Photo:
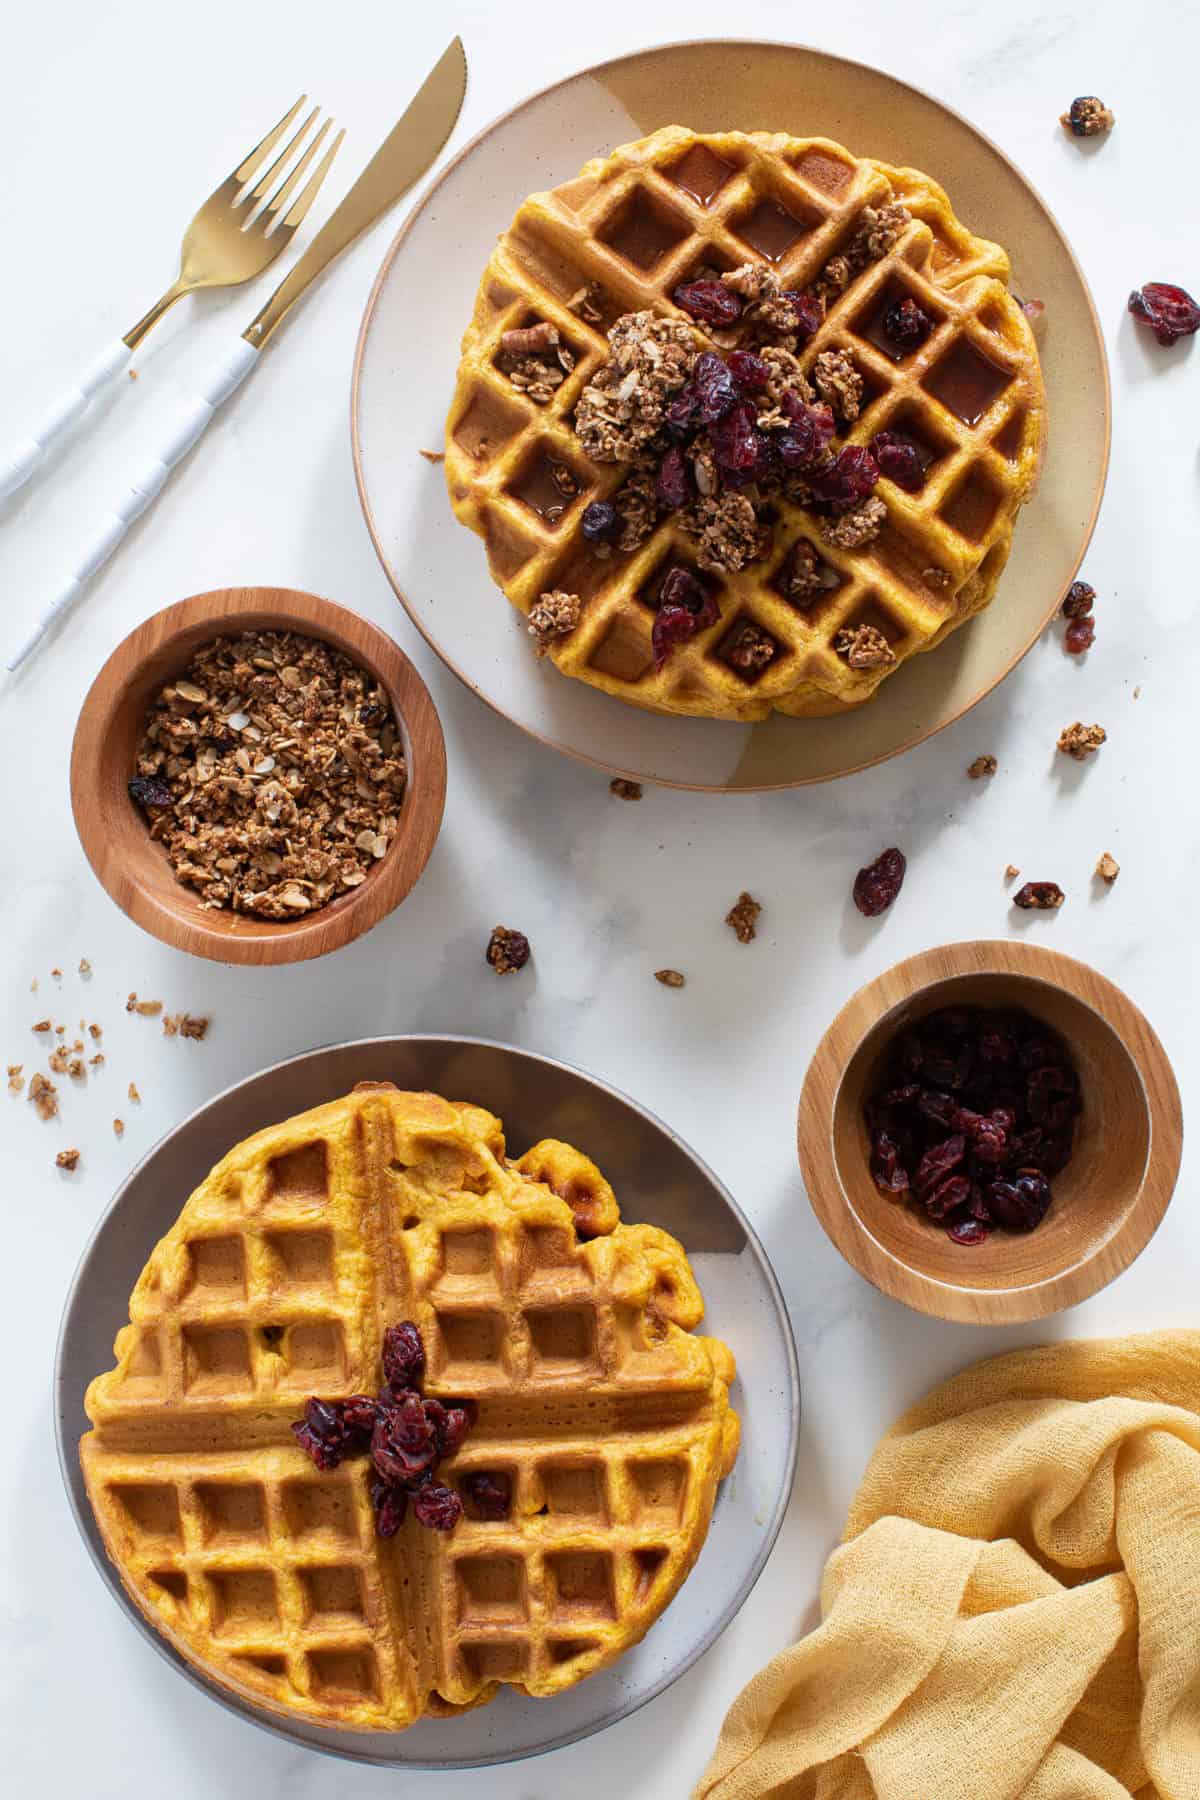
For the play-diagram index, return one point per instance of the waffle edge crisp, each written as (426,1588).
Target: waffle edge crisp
(629,228)
(574,1332)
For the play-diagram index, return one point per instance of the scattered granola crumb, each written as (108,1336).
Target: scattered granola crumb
(864,647)
(1108,868)
(433,456)
(85,967)
(16,1081)
(742,917)
(982,766)
(170,1024)
(1039,896)
(507,951)
(44,1095)
(148,1009)
(133,374)
(58,1060)
(1087,117)
(1011,873)
(97,1061)
(119,1127)
(133,1093)
(193,1026)
(1137,692)
(583,302)
(33,985)
(670,978)
(59,1029)
(67,1159)
(1081,741)
(554,615)
(76,1069)
(838,384)
(726,531)
(97,1031)
(751,649)
(936,577)
(625,790)
(42,1025)
(57,974)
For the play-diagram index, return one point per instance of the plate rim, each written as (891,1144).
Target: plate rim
(67,1451)
(614,768)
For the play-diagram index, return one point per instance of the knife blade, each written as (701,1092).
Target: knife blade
(401,159)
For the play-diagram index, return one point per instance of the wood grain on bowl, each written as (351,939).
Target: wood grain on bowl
(1108,1200)
(112,829)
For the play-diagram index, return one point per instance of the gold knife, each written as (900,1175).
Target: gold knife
(401,159)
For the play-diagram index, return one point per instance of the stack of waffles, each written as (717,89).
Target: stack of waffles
(620,239)
(598,1405)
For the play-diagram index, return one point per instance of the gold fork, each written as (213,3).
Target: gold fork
(236,234)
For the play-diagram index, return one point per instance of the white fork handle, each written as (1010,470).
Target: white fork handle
(181,433)
(23,458)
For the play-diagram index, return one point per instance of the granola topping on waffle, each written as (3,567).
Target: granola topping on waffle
(723,333)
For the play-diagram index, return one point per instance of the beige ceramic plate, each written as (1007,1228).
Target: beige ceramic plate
(421,303)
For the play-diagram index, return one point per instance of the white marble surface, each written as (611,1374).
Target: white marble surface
(114,120)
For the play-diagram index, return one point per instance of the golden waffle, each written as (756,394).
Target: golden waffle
(629,229)
(609,1416)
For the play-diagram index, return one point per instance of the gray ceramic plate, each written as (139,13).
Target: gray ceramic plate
(408,351)
(657,1179)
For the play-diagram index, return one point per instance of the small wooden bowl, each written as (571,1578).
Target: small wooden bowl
(112,829)
(1109,1199)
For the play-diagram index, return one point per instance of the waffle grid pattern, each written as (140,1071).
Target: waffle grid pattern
(606,1415)
(502,449)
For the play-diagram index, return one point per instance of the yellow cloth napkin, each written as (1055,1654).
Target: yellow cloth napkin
(1014,1611)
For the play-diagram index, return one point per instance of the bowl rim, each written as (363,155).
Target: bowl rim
(907,980)
(337,1743)
(598,70)
(256,941)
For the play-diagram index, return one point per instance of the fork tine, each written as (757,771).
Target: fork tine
(278,201)
(257,156)
(306,199)
(262,187)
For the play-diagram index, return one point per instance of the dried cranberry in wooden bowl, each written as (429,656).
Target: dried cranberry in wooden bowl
(1107,1199)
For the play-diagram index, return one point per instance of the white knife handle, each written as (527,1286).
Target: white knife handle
(19,464)
(181,433)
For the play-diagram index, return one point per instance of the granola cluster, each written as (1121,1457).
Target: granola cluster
(726,530)
(621,410)
(864,647)
(1081,741)
(554,615)
(272,774)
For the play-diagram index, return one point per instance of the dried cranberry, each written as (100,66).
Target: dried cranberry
(1079,636)
(968,1230)
(807,312)
(849,481)
(403,1356)
(404,1443)
(939,1161)
(601,522)
(149,790)
(1081,597)
(949,1064)
(1041,896)
(671,489)
(750,372)
(899,459)
(735,438)
(948,1196)
(991,1142)
(1170,312)
(715,392)
(681,588)
(391,1504)
(811,429)
(450,1426)
(941,1108)
(711,302)
(488,1496)
(333,1429)
(906,325)
(436,1506)
(904,1095)
(891,1177)
(1020,1204)
(684,608)
(876,886)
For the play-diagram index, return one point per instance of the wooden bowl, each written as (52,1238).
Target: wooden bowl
(1108,1200)
(134,869)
